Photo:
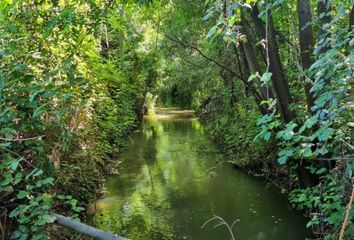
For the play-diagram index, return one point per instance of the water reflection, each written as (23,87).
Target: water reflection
(170,183)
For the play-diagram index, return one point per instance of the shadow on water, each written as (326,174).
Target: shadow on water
(171,182)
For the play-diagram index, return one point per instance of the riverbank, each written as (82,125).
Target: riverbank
(235,133)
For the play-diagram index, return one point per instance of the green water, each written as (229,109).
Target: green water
(171,181)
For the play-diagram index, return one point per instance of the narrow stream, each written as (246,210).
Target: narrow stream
(172,181)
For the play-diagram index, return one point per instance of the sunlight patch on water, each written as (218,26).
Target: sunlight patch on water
(170,114)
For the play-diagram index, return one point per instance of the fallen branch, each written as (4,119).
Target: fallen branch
(21,139)
(85,229)
(346,219)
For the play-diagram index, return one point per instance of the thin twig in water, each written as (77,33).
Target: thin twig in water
(221,221)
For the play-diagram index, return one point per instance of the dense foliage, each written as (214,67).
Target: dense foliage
(67,102)
(270,80)
(275,93)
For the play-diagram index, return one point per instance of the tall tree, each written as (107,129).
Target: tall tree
(324,18)
(306,43)
(251,58)
(351,19)
(280,84)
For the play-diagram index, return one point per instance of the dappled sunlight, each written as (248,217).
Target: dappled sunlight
(175,114)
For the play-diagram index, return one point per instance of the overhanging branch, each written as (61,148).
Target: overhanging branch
(185,45)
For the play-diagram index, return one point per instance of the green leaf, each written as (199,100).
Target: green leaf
(35,172)
(18,177)
(9,189)
(67,96)
(311,121)
(334,218)
(61,112)
(349,170)
(282,160)
(266,136)
(15,164)
(211,32)
(35,94)
(288,135)
(325,134)
(253,77)
(5,145)
(308,152)
(22,194)
(47,219)
(7,180)
(321,171)
(48,180)
(61,197)
(284,155)
(209,15)
(2,53)
(266,77)
(16,234)
(39,111)
(14,213)
(48,94)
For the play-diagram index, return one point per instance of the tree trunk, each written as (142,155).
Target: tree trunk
(280,84)
(351,19)
(306,179)
(258,98)
(306,43)
(241,63)
(227,76)
(323,10)
(252,60)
